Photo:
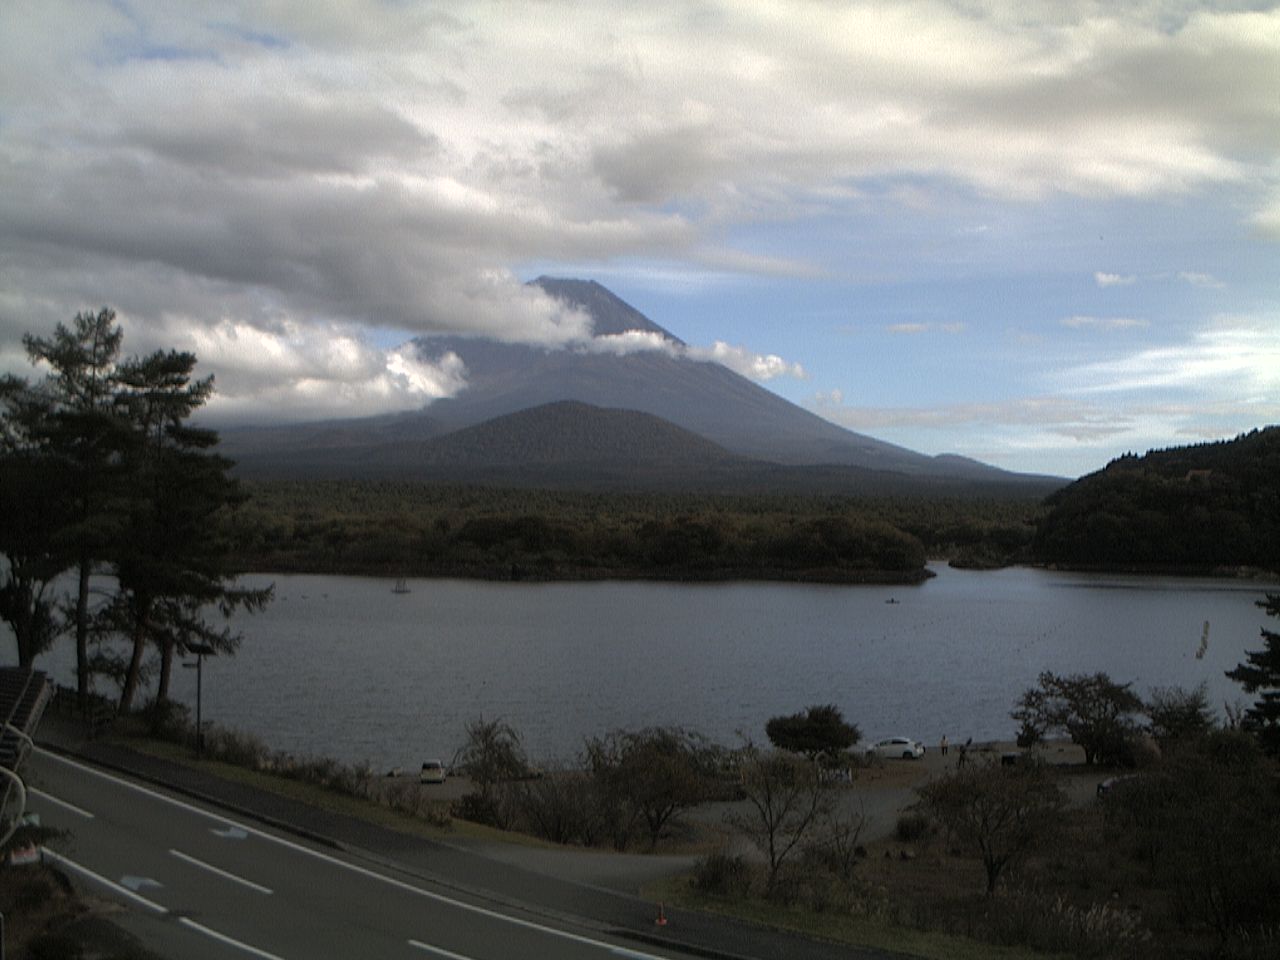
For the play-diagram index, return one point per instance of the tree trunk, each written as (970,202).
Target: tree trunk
(82,633)
(131,677)
(166,668)
(24,626)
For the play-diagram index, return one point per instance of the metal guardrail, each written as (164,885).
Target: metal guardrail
(24,694)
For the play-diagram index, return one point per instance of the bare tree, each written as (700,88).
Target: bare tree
(493,753)
(786,803)
(651,775)
(999,811)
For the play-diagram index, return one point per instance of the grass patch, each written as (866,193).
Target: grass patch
(314,795)
(853,931)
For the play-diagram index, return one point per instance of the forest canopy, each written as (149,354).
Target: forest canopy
(1202,508)
(410,529)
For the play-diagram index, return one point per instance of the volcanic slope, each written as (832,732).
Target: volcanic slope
(745,432)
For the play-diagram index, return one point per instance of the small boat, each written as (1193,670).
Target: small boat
(400,587)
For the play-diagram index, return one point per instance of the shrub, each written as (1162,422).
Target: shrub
(408,798)
(353,781)
(1053,925)
(34,893)
(912,827)
(55,946)
(486,809)
(837,850)
(236,747)
(168,720)
(562,807)
(723,875)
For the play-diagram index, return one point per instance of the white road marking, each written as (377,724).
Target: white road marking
(137,883)
(50,798)
(230,833)
(438,951)
(151,905)
(223,938)
(362,871)
(219,872)
(125,892)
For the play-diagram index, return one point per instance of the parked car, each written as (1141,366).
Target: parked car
(432,772)
(897,748)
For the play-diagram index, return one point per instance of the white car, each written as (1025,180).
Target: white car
(432,772)
(897,748)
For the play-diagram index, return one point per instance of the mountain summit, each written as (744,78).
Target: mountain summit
(701,396)
(739,427)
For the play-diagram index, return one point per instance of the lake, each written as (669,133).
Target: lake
(344,667)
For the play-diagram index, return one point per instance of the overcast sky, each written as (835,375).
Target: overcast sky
(1037,234)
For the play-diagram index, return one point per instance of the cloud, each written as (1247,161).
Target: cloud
(1221,380)
(297,371)
(1056,434)
(756,366)
(1231,358)
(397,165)
(1103,323)
(1266,221)
(912,329)
(1200,280)
(1114,279)
(632,341)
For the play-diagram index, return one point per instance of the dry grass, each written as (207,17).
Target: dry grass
(322,798)
(872,929)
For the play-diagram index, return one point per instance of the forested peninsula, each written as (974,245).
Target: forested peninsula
(390,528)
(1206,509)
(1212,508)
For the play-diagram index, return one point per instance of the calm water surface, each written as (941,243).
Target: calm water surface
(344,667)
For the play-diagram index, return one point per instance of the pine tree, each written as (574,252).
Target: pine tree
(173,562)
(1262,674)
(32,514)
(84,435)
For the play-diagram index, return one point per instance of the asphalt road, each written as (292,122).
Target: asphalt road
(199,885)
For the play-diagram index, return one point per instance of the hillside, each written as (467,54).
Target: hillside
(569,432)
(1196,508)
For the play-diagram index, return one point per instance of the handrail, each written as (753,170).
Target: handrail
(22,803)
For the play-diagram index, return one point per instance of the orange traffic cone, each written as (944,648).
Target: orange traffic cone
(662,917)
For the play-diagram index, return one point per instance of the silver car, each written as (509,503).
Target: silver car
(897,748)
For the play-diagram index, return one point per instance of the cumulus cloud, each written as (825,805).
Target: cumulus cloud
(398,165)
(632,341)
(297,371)
(756,366)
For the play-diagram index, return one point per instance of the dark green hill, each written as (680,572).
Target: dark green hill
(1200,508)
(574,433)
